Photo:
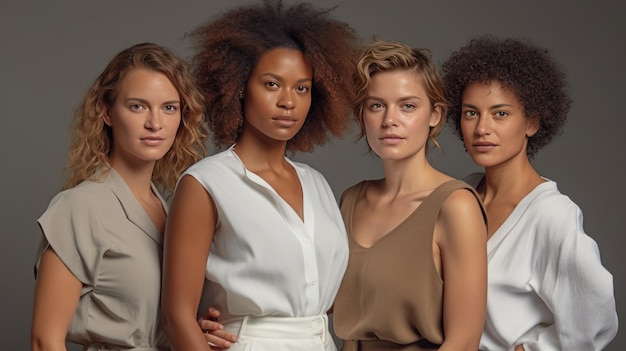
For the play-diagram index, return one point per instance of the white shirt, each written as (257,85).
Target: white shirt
(547,288)
(264,259)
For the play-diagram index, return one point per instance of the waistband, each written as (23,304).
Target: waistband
(383,345)
(278,327)
(105,347)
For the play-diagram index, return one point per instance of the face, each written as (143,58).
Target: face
(495,128)
(144,117)
(278,95)
(398,114)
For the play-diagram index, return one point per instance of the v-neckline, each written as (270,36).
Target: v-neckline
(394,229)
(259,180)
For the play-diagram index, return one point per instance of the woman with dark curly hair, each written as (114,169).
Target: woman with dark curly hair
(265,231)
(417,273)
(98,270)
(547,288)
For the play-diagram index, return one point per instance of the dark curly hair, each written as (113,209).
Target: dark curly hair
(229,47)
(536,79)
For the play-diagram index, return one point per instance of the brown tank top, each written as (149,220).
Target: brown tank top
(391,292)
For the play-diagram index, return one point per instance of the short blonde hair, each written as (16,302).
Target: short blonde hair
(385,56)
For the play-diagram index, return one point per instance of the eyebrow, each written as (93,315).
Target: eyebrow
(144,101)
(490,107)
(277,77)
(402,99)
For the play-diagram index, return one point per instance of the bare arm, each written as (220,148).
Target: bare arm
(461,235)
(188,235)
(57,292)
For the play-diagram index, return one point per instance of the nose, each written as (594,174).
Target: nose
(286,100)
(389,118)
(154,120)
(483,127)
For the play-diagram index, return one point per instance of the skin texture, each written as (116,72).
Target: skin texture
(536,78)
(229,46)
(512,95)
(397,115)
(279,86)
(495,132)
(146,106)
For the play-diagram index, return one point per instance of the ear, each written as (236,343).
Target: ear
(435,115)
(107,119)
(533,126)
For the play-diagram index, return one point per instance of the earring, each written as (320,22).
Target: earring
(241,94)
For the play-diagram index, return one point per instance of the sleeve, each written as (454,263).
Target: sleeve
(71,227)
(577,289)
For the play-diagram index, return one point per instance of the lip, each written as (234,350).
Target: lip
(285,121)
(152,140)
(391,139)
(483,146)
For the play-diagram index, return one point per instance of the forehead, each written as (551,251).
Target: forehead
(405,80)
(145,82)
(283,61)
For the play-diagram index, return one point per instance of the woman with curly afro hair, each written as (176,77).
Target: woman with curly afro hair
(265,231)
(547,287)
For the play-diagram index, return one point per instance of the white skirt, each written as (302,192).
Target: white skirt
(280,333)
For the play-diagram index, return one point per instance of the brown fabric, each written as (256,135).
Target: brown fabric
(392,291)
(380,345)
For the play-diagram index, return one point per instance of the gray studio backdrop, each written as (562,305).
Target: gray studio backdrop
(52,50)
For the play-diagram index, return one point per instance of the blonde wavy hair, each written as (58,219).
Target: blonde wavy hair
(385,56)
(91,138)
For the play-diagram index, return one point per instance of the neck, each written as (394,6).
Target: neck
(409,176)
(512,179)
(260,155)
(137,177)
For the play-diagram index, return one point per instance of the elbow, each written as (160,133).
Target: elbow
(167,323)
(464,344)
(41,343)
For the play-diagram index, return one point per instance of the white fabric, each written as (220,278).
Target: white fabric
(547,288)
(264,260)
(280,333)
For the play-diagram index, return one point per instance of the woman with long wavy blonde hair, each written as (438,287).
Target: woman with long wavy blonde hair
(98,269)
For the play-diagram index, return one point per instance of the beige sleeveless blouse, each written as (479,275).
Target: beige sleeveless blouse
(391,297)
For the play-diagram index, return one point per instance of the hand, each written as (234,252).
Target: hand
(214,332)
(519,347)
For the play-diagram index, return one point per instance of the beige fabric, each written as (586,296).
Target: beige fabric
(104,237)
(392,291)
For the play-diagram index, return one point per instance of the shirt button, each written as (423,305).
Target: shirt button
(307,241)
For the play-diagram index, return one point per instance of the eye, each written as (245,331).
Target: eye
(501,114)
(170,109)
(375,106)
(408,107)
(271,85)
(470,113)
(302,89)
(136,107)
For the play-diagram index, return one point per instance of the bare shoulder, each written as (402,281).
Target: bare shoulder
(462,216)
(461,202)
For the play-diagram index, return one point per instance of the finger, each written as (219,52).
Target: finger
(223,334)
(209,325)
(213,312)
(214,340)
